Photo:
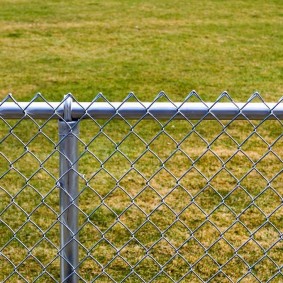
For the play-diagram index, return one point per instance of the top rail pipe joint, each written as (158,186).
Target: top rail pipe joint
(67,114)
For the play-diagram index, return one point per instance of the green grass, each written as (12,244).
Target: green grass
(114,47)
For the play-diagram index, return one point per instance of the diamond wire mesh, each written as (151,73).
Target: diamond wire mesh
(159,201)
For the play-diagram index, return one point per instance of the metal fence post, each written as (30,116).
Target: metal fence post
(68,146)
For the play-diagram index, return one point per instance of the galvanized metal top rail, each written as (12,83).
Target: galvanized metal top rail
(145,110)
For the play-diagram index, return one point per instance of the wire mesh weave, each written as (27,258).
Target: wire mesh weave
(159,201)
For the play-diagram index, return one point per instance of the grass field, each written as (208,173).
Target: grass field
(115,47)
(192,214)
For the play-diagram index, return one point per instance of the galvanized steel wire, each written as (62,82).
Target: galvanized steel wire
(164,198)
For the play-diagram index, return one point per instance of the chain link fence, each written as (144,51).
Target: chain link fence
(141,192)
